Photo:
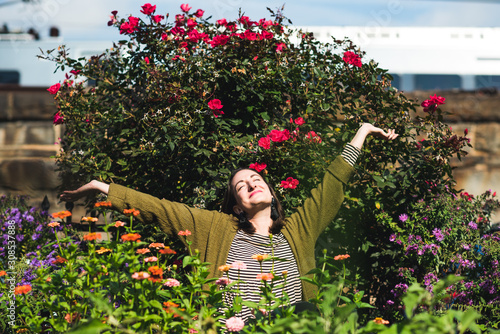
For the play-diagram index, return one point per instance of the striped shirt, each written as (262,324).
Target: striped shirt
(245,245)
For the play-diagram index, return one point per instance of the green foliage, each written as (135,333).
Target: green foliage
(142,114)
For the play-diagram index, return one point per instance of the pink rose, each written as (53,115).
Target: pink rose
(148,9)
(235,324)
(437,99)
(54,88)
(258,166)
(199,13)
(146,59)
(265,143)
(58,118)
(185,8)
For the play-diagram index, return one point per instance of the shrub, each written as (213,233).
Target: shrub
(174,106)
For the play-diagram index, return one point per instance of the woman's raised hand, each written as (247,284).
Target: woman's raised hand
(85,190)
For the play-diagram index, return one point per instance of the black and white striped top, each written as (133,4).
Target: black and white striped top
(245,245)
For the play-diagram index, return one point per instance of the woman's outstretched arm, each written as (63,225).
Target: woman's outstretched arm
(87,189)
(369,129)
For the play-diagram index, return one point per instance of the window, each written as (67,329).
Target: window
(10,77)
(437,81)
(487,81)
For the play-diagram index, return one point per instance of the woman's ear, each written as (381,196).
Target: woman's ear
(237,210)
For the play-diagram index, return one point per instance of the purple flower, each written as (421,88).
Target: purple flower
(19,237)
(473,225)
(35,236)
(392,237)
(390,302)
(39,228)
(437,234)
(403,217)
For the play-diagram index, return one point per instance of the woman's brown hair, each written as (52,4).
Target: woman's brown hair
(244,224)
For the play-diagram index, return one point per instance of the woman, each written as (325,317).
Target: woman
(222,238)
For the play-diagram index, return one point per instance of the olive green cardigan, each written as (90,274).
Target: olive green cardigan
(213,231)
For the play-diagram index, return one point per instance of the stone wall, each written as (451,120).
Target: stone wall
(28,137)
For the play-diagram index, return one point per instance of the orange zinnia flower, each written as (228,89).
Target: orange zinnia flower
(59,260)
(167,250)
(3,273)
(157,245)
(265,276)
(90,219)
(21,289)
(92,236)
(185,233)
(260,257)
(341,257)
(155,270)
(225,267)
(103,250)
(105,204)
(381,321)
(130,212)
(142,251)
(131,237)
(119,223)
(53,224)
(61,214)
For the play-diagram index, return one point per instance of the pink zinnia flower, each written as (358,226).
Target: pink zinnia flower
(172,282)
(238,265)
(223,281)
(151,259)
(235,324)
(140,275)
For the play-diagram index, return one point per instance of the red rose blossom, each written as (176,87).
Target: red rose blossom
(280,46)
(148,9)
(222,22)
(258,166)
(352,59)
(54,88)
(290,183)
(299,121)
(199,13)
(185,8)
(157,18)
(215,105)
(191,23)
(219,40)
(58,118)
(313,136)
(265,143)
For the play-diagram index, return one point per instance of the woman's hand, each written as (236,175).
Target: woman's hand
(85,190)
(369,129)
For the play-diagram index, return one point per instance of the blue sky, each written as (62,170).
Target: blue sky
(86,19)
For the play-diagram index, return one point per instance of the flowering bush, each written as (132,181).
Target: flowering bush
(448,236)
(177,104)
(111,281)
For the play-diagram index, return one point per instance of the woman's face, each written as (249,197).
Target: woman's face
(251,191)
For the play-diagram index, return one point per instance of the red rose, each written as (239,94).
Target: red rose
(54,88)
(258,166)
(266,35)
(221,22)
(219,40)
(313,137)
(58,118)
(177,31)
(280,46)
(250,35)
(75,72)
(437,99)
(279,136)
(191,23)
(148,9)
(157,18)
(199,13)
(146,59)
(217,112)
(299,121)
(245,20)
(134,21)
(352,59)
(185,8)
(290,183)
(265,143)
(215,104)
